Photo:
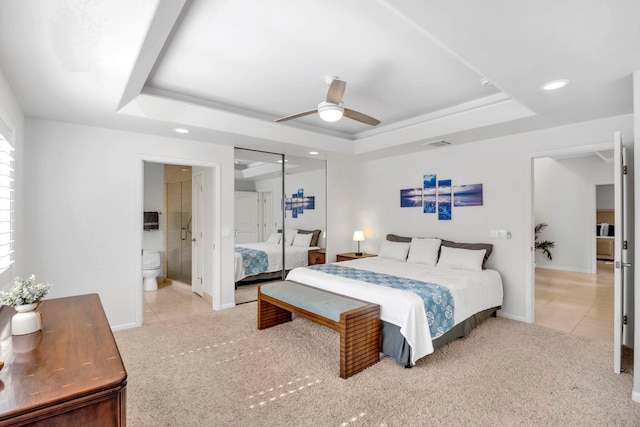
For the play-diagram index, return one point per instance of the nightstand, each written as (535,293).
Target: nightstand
(317,256)
(352,255)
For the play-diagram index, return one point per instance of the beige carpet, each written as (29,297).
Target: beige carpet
(217,369)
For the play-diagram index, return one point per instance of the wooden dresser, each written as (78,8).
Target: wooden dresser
(68,374)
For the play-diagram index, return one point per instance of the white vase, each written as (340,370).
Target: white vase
(26,321)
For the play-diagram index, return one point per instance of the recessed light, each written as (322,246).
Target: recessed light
(555,84)
(285,160)
(313,153)
(181,130)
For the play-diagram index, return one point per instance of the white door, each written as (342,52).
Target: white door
(197,234)
(246,205)
(266,221)
(620,255)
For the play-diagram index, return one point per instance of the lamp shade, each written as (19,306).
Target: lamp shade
(358,236)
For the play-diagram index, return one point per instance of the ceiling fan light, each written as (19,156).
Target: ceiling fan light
(330,112)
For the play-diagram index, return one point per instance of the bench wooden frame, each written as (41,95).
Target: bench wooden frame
(359,329)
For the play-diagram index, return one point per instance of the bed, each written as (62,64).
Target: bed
(263,260)
(430,291)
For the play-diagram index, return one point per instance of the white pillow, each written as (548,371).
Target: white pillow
(302,239)
(461,259)
(424,251)
(394,250)
(289,235)
(274,238)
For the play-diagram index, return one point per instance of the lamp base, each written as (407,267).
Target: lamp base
(358,253)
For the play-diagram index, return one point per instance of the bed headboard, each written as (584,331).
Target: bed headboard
(315,238)
(396,238)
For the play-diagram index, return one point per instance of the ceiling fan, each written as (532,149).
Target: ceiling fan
(333,109)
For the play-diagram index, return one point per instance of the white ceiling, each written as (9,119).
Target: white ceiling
(231,68)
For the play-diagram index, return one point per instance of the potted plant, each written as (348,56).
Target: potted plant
(543,245)
(24,296)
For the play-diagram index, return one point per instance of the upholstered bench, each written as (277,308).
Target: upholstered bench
(357,321)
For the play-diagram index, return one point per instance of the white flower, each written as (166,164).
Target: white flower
(24,291)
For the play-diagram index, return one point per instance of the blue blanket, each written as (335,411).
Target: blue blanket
(438,301)
(253,260)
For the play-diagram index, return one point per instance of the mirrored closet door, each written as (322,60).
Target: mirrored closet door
(258,216)
(280,223)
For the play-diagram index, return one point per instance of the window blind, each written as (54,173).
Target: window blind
(7,220)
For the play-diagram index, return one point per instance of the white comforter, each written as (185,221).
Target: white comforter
(295,256)
(472,292)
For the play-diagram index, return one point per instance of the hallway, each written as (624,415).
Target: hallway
(578,303)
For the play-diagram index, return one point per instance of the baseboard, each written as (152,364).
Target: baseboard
(500,313)
(124,326)
(635,395)
(224,307)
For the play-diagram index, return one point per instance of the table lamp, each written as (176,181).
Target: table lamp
(358,236)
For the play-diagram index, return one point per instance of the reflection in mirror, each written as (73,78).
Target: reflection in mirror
(261,244)
(258,217)
(305,211)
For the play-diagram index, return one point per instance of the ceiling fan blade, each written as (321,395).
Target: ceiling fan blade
(336,91)
(356,115)
(295,116)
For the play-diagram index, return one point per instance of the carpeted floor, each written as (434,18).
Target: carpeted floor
(218,369)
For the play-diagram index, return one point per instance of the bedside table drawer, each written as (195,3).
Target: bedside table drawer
(317,256)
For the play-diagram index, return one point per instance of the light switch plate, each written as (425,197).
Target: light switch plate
(499,234)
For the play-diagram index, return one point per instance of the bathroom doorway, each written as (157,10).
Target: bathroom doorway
(178,223)
(167,301)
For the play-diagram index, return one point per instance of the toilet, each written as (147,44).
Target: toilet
(151,269)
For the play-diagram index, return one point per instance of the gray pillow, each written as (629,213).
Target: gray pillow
(315,238)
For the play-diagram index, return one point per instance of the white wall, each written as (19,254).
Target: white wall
(604,196)
(502,165)
(341,208)
(153,201)
(245,186)
(565,199)
(83,211)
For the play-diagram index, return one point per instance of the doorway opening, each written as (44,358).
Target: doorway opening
(573,292)
(185,196)
(567,202)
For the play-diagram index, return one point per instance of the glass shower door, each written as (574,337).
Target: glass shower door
(178,234)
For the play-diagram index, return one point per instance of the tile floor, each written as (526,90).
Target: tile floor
(578,303)
(171,301)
